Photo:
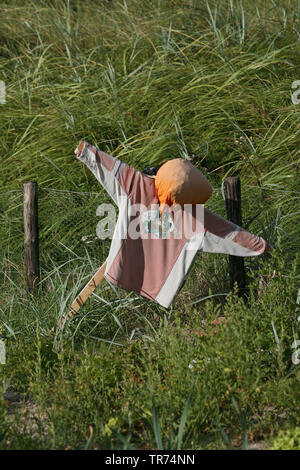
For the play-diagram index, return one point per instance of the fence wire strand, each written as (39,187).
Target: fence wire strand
(68,221)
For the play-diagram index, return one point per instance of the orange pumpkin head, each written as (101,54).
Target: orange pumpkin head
(180,182)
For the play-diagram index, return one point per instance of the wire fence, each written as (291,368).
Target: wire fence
(68,221)
(67,229)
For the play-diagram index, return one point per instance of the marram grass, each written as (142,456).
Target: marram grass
(146,82)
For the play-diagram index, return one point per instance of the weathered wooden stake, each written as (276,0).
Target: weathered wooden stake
(85,293)
(31,234)
(234,214)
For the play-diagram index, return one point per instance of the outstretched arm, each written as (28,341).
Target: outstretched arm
(222,236)
(105,168)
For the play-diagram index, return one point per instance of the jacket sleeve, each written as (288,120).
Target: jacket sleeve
(105,168)
(222,236)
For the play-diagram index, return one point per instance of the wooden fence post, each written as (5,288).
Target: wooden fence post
(31,234)
(234,214)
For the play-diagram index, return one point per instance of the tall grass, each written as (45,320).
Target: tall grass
(146,82)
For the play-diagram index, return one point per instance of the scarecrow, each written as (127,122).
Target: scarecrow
(154,259)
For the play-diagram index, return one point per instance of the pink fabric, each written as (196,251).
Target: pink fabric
(156,267)
(247,240)
(143,265)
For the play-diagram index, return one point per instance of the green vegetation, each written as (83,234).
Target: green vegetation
(287,440)
(145,82)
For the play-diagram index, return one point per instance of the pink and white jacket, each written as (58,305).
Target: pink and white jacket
(156,266)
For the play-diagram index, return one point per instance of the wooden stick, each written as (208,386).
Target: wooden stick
(31,234)
(234,214)
(86,292)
